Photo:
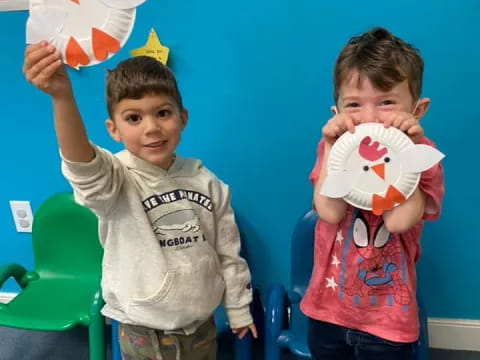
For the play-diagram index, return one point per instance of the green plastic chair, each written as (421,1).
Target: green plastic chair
(64,289)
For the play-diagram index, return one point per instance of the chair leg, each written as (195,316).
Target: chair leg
(96,338)
(422,344)
(422,351)
(243,348)
(274,322)
(115,344)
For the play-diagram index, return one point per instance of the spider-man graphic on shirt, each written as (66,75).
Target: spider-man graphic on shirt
(379,271)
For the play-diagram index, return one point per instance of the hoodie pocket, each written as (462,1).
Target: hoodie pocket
(188,293)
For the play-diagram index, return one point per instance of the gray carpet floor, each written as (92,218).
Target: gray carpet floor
(18,344)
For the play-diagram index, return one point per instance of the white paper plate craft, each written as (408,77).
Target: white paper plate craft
(123,4)
(86,32)
(376,168)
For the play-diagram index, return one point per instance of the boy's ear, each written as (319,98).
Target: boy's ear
(112,130)
(422,107)
(184,117)
(334,110)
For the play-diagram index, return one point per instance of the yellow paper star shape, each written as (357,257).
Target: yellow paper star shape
(153,48)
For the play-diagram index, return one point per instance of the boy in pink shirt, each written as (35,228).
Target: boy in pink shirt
(361,298)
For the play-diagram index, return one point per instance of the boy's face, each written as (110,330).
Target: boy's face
(365,103)
(149,127)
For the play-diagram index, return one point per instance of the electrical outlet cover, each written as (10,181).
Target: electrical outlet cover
(22,215)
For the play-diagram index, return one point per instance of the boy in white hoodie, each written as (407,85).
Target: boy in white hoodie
(171,244)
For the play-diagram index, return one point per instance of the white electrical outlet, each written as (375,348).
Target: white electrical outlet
(22,215)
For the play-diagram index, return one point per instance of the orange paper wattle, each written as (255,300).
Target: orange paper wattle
(103,44)
(381,204)
(75,55)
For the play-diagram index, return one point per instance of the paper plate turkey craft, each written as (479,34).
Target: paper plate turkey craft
(85,31)
(376,168)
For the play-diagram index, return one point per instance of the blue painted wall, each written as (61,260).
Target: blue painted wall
(256,77)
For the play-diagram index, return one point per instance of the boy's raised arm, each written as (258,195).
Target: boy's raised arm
(44,69)
(71,134)
(330,210)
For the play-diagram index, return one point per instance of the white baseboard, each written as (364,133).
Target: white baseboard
(454,334)
(5,297)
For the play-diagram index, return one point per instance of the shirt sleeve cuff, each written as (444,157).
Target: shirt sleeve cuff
(239,317)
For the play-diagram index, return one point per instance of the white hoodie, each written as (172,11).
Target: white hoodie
(171,244)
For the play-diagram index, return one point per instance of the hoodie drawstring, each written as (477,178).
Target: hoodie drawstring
(156,345)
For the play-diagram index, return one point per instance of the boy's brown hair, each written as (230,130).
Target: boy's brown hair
(136,77)
(383,58)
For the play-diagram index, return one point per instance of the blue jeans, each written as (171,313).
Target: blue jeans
(333,342)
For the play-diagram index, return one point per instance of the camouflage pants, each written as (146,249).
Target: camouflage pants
(141,343)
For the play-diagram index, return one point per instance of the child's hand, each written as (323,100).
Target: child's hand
(43,68)
(405,122)
(244,330)
(336,126)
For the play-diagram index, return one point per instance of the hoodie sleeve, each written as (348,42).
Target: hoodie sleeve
(95,184)
(238,292)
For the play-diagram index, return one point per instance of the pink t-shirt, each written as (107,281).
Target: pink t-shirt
(363,276)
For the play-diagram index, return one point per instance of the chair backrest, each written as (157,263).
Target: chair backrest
(302,252)
(65,239)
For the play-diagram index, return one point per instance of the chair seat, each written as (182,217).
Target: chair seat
(53,310)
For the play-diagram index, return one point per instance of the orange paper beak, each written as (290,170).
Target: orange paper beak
(379,170)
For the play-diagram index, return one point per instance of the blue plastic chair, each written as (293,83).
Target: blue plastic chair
(285,325)
(243,348)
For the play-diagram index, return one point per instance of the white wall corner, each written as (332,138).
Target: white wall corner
(454,334)
(13,5)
